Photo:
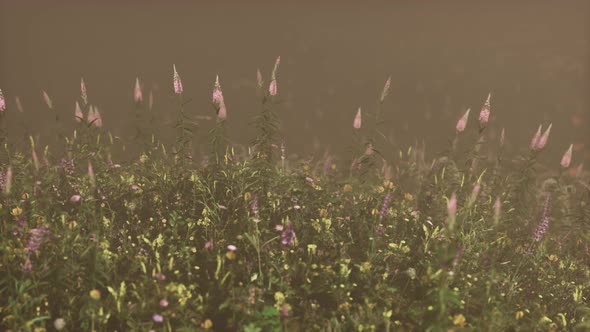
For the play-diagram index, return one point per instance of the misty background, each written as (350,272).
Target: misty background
(533,56)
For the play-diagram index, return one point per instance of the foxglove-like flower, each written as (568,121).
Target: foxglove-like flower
(567,157)
(177,81)
(78,115)
(19,105)
(36,239)
(137,94)
(462,123)
(276,67)
(544,138)
(385,205)
(385,91)
(544,225)
(259,81)
(272,88)
(536,137)
(288,235)
(83,91)
(47,100)
(2,102)
(217,93)
(484,114)
(356,124)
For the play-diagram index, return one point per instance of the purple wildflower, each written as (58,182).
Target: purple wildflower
(288,235)
(544,225)
(385,91)
(209,245)
(462,123)
(163,303)
(567,157)
(36,239)
(75,198)
(484,114)
(159,276)
(177,82)
(231,247)
(356,124)
(27,266)
(137,94)
(67,165)
(2,102)
(385,205)
(157,318)
(254,204)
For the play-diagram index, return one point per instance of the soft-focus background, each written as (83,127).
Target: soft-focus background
(533,56)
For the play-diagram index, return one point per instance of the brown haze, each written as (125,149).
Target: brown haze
(533,56)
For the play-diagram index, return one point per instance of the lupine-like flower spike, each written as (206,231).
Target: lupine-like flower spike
(484,114)
(272,88)
(544,138)
(497,210)
(462,123)
(137,94)
(276,67)
(47,100)
(2,102)
(78,115)
(357,120)
(385,91)
(177,82)
(385,205)
(217,93)
(544,225)
(222,114)
(259,81)
(19,105)
(567,157)
(536,138)
(83,93)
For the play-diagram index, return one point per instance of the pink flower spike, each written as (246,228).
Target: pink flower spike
(276,67)
(567,157)
(78,116)
(91,174)
(47,100)
(137,94)
(75,198)
(535,139)
(259,81)
(484,115)
(357,120)
(222,114)
(19,105)
(544,138)
(83,91)
(217,93)
(452,206)
(2,102)
(98,122)
(385,91)
(462,123)
(177,82)
(272,88)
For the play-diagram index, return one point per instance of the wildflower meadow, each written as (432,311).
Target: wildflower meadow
(242,236)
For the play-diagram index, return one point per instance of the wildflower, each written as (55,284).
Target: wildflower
(254,204)
(462,123)
(95,294)
(217,93)
(385,91)
(474,193)
(17,211)
(484,114)
(47,100)
(519,314)
(276,67)
(27,266)
(67,165)
(137,94)
(157,318)
(163,303)
(279,228)
(2,102)
(75,198)
(497,210)
(78,116)
(91,174)
(296,207)
(544,225)
(83,91)
(177,81)
(59,324)
(259,81)
(135,187)
(385,205)
(543,139)
(209,244)
(288,235)
(356,124)
(8,180)
(452,211)
(284,311)
(159,276)
(347,188)
(36,239)
(19,105)
(272,88)
(535,140)
(459,320)
(207,324)
(567,157)
(231,247)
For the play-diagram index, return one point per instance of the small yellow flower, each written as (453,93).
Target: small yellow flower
(207,324)
(519,314)
(553,258)
(95,294)
(25,196)
(323,213)
(16,211)
(459,320)
(388,185)
(347,188)
(230,255)
(247,196)
(374,212)
(408,197)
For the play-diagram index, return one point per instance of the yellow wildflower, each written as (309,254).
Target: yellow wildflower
(459,320)
(16,211)
(95,294)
